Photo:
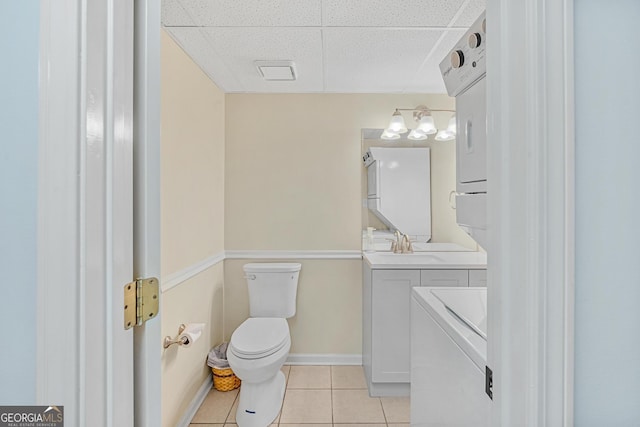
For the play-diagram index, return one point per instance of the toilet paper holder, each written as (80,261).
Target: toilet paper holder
(168,341)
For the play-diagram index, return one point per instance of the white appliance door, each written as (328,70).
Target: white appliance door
(471,216)
(471,139)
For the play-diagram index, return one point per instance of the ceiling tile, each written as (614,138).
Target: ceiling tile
(428,78)
(253,13)
(195,44)
(470,13)
(374,59)
(389,13)
(174,14)
(238,48)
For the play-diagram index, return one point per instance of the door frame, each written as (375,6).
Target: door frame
(62,371)
(146,192)
(530,128)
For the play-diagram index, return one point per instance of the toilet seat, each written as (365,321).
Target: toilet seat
(259,337)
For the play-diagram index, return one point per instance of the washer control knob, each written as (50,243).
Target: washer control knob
(475,40)
(457,59)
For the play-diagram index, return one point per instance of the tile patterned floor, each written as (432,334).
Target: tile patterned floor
(316,396)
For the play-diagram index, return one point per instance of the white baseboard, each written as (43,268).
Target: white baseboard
(324,359)
(188,415)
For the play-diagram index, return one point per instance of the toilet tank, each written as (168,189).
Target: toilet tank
(272,288)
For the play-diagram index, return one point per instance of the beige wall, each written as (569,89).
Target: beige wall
(328,316)
(294,182)
(293,177)
(192,220)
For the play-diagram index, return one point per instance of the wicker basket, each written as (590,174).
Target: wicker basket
(225,379)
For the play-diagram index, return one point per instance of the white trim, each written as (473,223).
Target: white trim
(324,359)
(294,254)
(530,211)
(179,277)
(146,199)
(197,400)
(185,274)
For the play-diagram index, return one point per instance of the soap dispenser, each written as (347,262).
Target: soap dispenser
(369,246)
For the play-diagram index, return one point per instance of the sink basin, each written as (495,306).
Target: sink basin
(390,257)
(422,247)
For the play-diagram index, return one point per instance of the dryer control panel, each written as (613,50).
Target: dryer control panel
(467,61)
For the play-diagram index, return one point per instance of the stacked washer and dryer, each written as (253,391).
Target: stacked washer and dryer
(449,384)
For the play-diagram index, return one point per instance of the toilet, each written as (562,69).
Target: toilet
(260,345)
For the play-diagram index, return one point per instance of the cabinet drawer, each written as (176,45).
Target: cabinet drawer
(477,278)
(444,278)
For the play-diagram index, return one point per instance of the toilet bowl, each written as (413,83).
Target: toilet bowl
(257,351)
(260,345)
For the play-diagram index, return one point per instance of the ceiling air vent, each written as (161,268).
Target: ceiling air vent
(276,70)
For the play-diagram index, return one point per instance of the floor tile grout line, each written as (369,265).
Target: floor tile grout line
(331,385)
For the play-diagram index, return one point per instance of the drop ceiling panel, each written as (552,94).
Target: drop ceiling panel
(174,14)
(389,13)
(238,48)
(337,45)
(374,59)
(428,76)
(470,13)
(253,13)
(195,43)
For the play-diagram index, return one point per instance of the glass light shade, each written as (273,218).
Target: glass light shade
(426,125)
(417,135)
(445,135)
(451,127)
(389,136)
(397,124)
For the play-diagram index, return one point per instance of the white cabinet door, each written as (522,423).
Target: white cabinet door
(391,341)
(477,278)
(471,163)
(444,278)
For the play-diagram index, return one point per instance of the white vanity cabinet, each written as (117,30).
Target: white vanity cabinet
(387,319)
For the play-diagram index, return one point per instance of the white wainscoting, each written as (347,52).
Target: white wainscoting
(301,254)
(185,274)
(173,280)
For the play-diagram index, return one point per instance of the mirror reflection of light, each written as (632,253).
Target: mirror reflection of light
(393,165)
(417,135)
(389,136)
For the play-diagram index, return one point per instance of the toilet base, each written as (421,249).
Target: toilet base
(260,402)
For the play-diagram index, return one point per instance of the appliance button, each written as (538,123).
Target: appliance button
(457,59)
(475,40)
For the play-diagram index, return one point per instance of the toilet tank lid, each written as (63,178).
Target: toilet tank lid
(272,267)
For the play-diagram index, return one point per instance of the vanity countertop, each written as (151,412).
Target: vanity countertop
(426,260)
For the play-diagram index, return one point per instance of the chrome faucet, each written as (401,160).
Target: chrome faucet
(397,248)
(407,247)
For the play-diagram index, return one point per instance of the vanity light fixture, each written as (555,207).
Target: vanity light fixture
(426,126)
(450,132)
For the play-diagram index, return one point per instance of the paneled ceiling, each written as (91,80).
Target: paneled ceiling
(337,46)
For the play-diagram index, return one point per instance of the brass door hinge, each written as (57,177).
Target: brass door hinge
(141,301)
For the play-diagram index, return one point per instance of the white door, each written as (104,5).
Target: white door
(108,211)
